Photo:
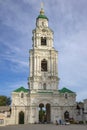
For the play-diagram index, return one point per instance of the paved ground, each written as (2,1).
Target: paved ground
(44,127)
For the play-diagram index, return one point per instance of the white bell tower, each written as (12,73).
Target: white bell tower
(43,57)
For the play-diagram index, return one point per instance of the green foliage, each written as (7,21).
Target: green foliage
(5,101)
(41,115)
(8,101)
(81,122)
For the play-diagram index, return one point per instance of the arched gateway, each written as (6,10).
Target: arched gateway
(66,116)
(44,113)
(21,117)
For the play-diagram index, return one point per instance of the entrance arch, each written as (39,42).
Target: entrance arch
(44,113)
(21,117)
(41,113)
(66,115)
(48,112)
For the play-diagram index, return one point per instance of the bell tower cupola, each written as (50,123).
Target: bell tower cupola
(42,19)
(42,34)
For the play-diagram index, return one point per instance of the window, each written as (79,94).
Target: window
(43,41)
(44,86)
(22,95)
(44,65)
(66,95)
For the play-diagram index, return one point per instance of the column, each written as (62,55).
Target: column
(34,65)
(30,66)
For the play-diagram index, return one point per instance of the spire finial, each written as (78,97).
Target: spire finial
(42,10)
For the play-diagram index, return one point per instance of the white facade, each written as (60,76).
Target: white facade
(43,51)
(43,80)
(43,102)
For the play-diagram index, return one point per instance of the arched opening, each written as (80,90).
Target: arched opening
(41,113)
(21,117)
(43,65)
(43,41)
(22,95)
(44,113)
(44,86)
(66,116)
(48,112)
(66,96)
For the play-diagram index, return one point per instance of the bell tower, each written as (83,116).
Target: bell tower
(43,57)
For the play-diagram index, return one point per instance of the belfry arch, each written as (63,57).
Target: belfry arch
(44,65)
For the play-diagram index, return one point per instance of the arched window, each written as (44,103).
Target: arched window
(66,116)
(43,65)
(22,95)
(43,41)
(66,96)
(44,86)
(21,117)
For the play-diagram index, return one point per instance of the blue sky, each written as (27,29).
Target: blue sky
(68,20)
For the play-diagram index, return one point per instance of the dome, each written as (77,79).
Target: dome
(41,15)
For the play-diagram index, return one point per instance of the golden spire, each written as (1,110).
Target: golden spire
(42,10)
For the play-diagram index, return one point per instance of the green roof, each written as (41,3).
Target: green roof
(65,90)
(42,16)
(21,89)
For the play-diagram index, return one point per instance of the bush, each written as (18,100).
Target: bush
(81,122)
(86,122)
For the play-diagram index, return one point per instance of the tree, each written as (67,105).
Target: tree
(8,102)
(5,101)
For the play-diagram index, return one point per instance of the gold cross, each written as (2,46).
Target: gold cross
(42,5)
